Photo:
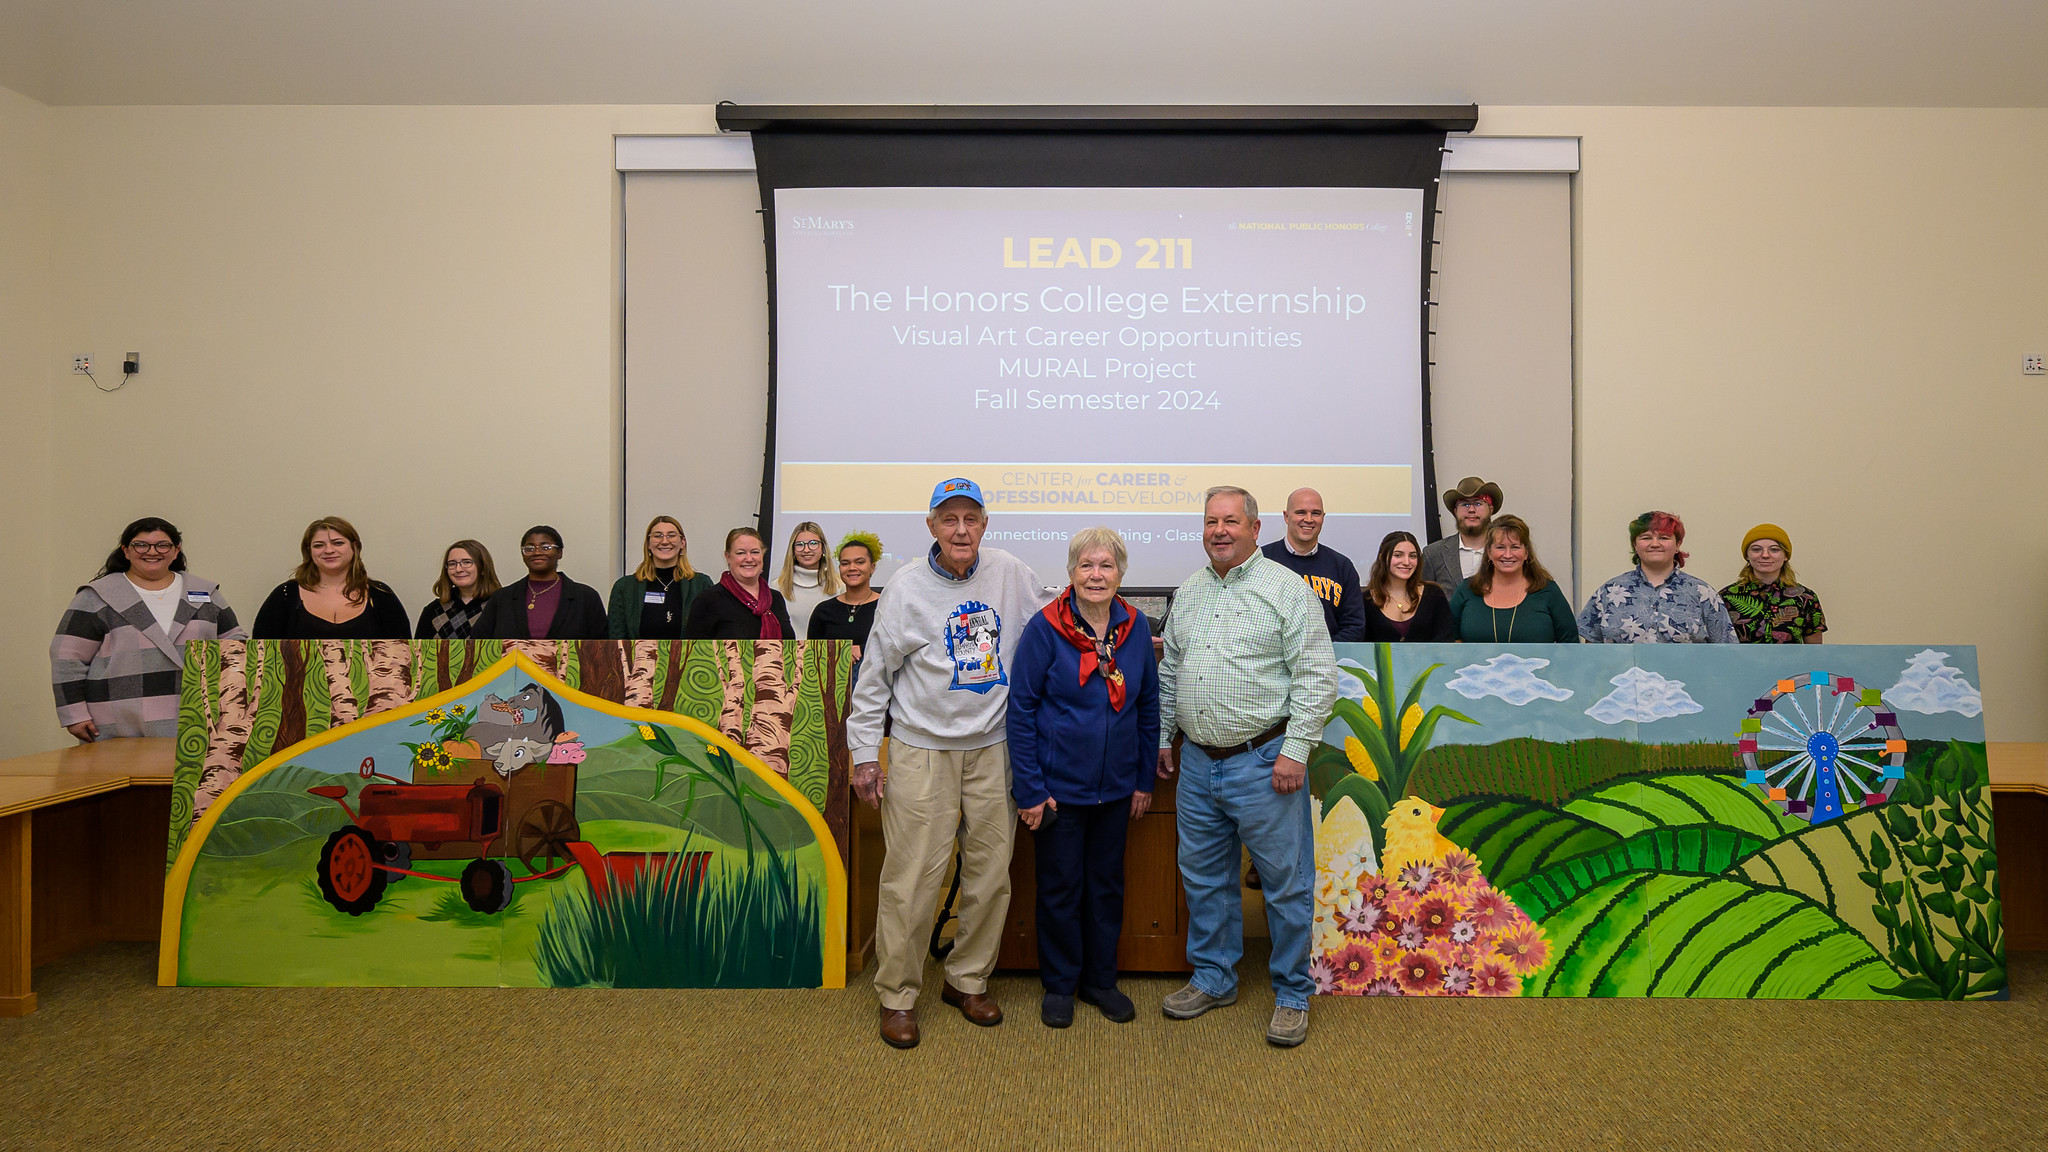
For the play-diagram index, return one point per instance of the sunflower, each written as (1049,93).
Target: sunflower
(1419,973)
(1524,948)
(1496,980)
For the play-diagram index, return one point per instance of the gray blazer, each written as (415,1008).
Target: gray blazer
(1440,565)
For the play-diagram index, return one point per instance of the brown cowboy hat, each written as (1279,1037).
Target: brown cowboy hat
(1469,487)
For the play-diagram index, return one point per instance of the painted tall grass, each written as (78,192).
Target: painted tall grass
(732,929)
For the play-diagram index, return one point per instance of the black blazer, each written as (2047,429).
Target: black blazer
(580,615)
(284,617)
(1432,620)
(719,615)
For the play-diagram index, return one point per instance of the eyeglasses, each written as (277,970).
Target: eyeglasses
(812,545)
(146,548)
(454,564)
(539,549)
(1464,504)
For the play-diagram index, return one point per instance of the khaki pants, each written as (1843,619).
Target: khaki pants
(931,794)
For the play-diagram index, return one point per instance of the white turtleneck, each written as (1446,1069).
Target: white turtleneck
(805,595)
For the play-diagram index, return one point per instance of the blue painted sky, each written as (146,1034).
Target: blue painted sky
(1714,686)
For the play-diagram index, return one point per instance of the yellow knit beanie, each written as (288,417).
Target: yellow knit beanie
(1767,532)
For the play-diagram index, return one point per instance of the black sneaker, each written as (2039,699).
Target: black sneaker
(1113,1003)
(1057,1011)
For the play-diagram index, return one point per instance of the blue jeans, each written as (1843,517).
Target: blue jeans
(1225,803)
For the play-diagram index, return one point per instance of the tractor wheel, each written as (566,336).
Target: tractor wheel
(348,875)
(394,854)
(487,886)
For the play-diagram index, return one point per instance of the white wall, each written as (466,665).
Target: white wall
(27,721)
(409,316)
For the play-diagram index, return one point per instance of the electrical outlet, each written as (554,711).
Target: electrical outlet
(2033,364)
(131,364)
(81,365)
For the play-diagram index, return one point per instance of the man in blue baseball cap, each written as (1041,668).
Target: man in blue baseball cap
(935,665)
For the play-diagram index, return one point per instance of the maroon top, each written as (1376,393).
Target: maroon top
(542,600)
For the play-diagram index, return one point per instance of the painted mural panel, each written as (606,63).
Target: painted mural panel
(1605,820)
(500,826)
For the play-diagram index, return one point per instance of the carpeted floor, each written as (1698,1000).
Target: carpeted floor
(111,1061)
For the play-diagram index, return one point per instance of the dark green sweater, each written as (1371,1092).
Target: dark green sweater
(622,610)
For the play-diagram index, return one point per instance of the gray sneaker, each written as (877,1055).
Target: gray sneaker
(1289,1027)
(1191,1002)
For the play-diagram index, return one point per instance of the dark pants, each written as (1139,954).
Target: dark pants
(1081,895)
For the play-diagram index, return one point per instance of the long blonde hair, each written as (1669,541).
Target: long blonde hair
(828,576)
(645,572)
(356,585)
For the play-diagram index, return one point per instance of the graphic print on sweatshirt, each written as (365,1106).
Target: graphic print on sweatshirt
(974,641)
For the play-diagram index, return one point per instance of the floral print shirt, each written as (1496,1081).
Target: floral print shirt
(1630,610)
(1775,613)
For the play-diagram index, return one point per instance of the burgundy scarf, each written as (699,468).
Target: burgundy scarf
(771,629)
(1061,614)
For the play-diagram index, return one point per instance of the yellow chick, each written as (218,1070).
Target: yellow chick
(1412,837)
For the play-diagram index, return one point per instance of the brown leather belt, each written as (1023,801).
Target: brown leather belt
(1278,729)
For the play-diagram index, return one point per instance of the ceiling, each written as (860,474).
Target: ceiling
(1492,52)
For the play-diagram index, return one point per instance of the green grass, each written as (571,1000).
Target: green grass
(732,929)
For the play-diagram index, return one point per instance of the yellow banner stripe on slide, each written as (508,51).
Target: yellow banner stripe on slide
(1094,489)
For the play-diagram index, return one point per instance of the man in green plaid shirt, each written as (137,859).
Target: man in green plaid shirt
(1249,679)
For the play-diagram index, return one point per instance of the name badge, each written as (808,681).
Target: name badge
(655,598)
(197,598)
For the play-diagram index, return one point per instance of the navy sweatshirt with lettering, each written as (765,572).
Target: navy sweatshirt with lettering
(1333,579)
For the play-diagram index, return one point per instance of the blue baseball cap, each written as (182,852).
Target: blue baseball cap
(957,486)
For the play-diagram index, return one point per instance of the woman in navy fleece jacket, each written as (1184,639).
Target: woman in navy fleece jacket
(1084,736)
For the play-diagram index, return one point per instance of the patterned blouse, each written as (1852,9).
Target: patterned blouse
(1775,613)
(1630,610)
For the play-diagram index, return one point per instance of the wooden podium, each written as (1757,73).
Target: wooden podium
(1155,937)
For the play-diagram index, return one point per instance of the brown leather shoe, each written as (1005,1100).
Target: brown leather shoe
(979,1007)
(899,1027)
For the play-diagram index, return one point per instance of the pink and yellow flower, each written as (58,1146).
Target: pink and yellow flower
(1435,918)
(1459,870)
(1524,948)
(1419,973)
(1496,980)
(1352,966)
(1491,912)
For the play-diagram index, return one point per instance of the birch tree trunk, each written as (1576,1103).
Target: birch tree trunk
(230,734)
(334,661)
(774,707)
(390,674)
(732,717)
(640,680)
(541,652)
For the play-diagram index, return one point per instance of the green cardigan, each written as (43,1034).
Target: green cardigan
(622,612)
(1543,617)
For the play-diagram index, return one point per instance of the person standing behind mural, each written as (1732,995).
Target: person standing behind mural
(468,580)
(119,650)
(1453,560)
(331,596)
(742,605)
(1250,678)
(938,668)
(653,601)
(806,579)
(1083,724)
(1512,599)
(1331,576)
(851,614)
(1656,602)
(1767,604)
(1400,605)
(547,605)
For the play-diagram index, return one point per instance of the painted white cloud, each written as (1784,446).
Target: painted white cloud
(1642,696)
(1348,685)
(1512,678)
(1930,685)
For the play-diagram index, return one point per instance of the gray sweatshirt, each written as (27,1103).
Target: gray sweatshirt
(938,658)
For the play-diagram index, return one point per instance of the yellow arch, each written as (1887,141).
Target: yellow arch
(832,939)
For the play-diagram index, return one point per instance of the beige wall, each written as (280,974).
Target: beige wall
(1815,317)
(409,316)
(31,611)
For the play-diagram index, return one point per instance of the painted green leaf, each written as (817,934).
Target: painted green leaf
(1513,838)
(1703,850)
(1677,799)
(1653,934)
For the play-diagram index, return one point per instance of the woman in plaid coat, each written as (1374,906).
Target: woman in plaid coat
(119,649)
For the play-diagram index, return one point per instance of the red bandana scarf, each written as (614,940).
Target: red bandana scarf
(760,606)
(1061,613)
